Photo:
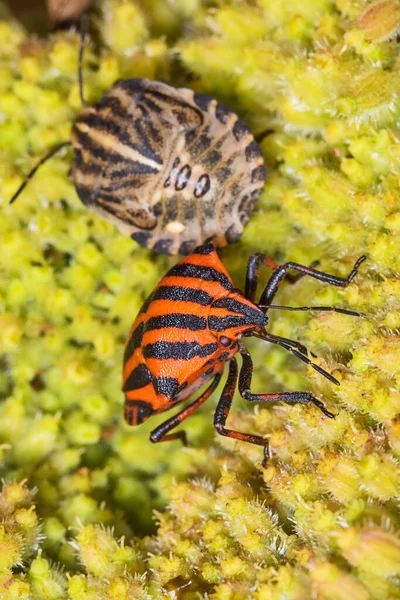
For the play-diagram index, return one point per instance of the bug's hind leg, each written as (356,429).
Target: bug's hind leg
(282,272)
(245,377)
(253,268)
(246,374)
(160,434)
(224,407)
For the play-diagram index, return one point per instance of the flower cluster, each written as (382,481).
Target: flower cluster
(318,82)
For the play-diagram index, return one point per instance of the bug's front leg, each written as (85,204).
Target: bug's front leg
(294,347)
(224,407)
(282,272)
(252,273)
(160,434)
(246,374)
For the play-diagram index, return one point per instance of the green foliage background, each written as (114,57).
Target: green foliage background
(80,486)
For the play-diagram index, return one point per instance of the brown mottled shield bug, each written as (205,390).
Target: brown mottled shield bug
(170,167)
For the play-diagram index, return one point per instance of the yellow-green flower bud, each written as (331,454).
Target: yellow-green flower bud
(380,476)
(78,589)
(10,549)
(330,583)
(54,531)
(26,518)
(12,35)
(13,494)
(371,549)
(97,408)
(380,20)
(64,57)
(316,520)
(242,26)
(166,568)
(81,431)
(393,432)
(104,344)
(38,440)
(101,554)
(11,333)
(45,582)
(80,507)
(124,25)
(339,475)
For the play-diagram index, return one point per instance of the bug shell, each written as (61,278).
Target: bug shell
(171,168)
(176,341)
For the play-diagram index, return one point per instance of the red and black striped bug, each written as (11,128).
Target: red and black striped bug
(192,324)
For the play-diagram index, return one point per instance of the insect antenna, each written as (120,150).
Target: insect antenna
(294,347)
(259,138)
(35,168)
(84,23)
(84,29)
(343,311)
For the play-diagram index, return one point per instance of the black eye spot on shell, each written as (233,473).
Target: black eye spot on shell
(239,130)
(85,194)
(222,112)
(259,174)
(232,234)
(202,186)
(252,151)
(244,217)
(141,237)
(163,246)
(202,101)
(157,209)
(190,136)
(187,246)
(182,179)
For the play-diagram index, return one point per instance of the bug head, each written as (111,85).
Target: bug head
(137,411)
(233,317)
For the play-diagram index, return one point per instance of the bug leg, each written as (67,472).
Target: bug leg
(342,311)
(291,346)
(84,29)
(263,134)
(224,407)
(252,273)
(281,272)
(295,278)
(246,374)
(160,434)
(253,267)
(35,168)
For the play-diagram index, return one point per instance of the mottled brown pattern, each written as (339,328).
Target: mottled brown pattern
(169,167)
(66,10)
